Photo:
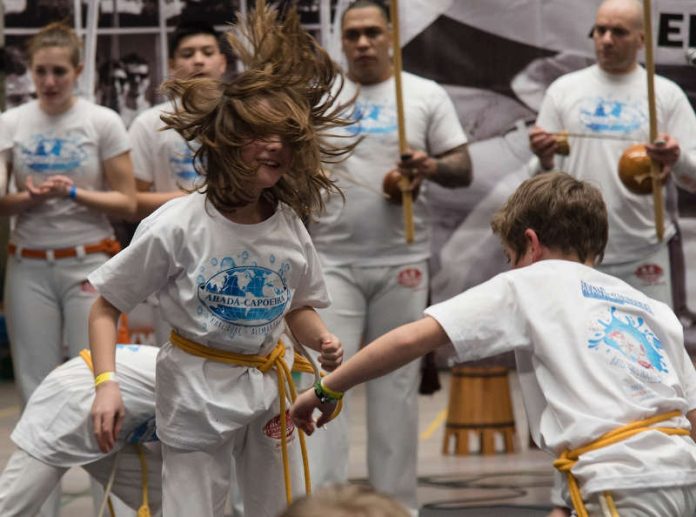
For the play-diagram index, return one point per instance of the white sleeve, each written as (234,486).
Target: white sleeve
(142,149)
(550,119)
(113,138)
(687,375)
(681,124)
(444,130)
(8,122)
(5,155)
(141,269)
(312,290)
(483,321)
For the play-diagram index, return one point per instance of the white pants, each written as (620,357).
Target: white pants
(651,275)
(47,304)
(197,482)
(672,502)
(367,303)
(27,482)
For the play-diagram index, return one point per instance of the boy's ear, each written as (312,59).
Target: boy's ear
(534,247)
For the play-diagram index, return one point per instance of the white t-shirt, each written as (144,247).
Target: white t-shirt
(162,158)
(593,354)
(74,144)
(56,426)
(221,284)
(367,230)
(592,101)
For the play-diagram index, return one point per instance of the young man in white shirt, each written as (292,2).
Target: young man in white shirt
(163,160)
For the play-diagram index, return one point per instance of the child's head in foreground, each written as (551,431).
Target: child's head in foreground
(566,214)
(345,501)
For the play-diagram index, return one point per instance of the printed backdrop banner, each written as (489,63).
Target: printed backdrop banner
(496,59)
(564,25)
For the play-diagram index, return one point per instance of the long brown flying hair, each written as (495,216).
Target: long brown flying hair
(288,88)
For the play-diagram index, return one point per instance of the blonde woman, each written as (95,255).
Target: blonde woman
(69,164)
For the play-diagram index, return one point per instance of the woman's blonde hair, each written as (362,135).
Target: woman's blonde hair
(56,34)
(287,89)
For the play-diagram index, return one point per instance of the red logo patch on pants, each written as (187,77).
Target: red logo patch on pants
(649,273)
(410,277)
(272,428)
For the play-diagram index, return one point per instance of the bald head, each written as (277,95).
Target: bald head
(630,10)
(618,35)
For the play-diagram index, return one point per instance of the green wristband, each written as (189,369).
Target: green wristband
(325,394)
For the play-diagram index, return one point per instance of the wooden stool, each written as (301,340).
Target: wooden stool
(479,402)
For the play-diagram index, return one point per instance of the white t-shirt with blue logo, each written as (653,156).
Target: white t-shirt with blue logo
(73,144)
(221,284)
(366,230)
(593,354)
(162,158)
(56,426)
(591,101)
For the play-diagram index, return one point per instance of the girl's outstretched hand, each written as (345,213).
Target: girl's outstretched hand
(305,404)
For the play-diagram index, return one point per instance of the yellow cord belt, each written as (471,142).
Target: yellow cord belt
(144,510)
(568,458)
(275,360)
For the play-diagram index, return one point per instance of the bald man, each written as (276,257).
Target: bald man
(610,98)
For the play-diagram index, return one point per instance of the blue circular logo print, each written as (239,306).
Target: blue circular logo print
(181,163)
(611,116)
(629,343)
(53,155)
(248,296)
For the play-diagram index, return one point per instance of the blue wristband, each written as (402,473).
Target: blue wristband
(72,192)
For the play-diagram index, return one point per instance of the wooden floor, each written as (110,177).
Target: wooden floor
(522,478)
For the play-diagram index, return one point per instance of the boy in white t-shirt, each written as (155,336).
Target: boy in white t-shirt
(593,354)
(229,264)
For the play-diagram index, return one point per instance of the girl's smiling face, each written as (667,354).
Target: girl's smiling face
(271,158)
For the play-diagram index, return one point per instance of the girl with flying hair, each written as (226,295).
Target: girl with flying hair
(229,263)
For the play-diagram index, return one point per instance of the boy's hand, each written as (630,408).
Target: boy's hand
(107,414)
(331,352)
(303,407)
